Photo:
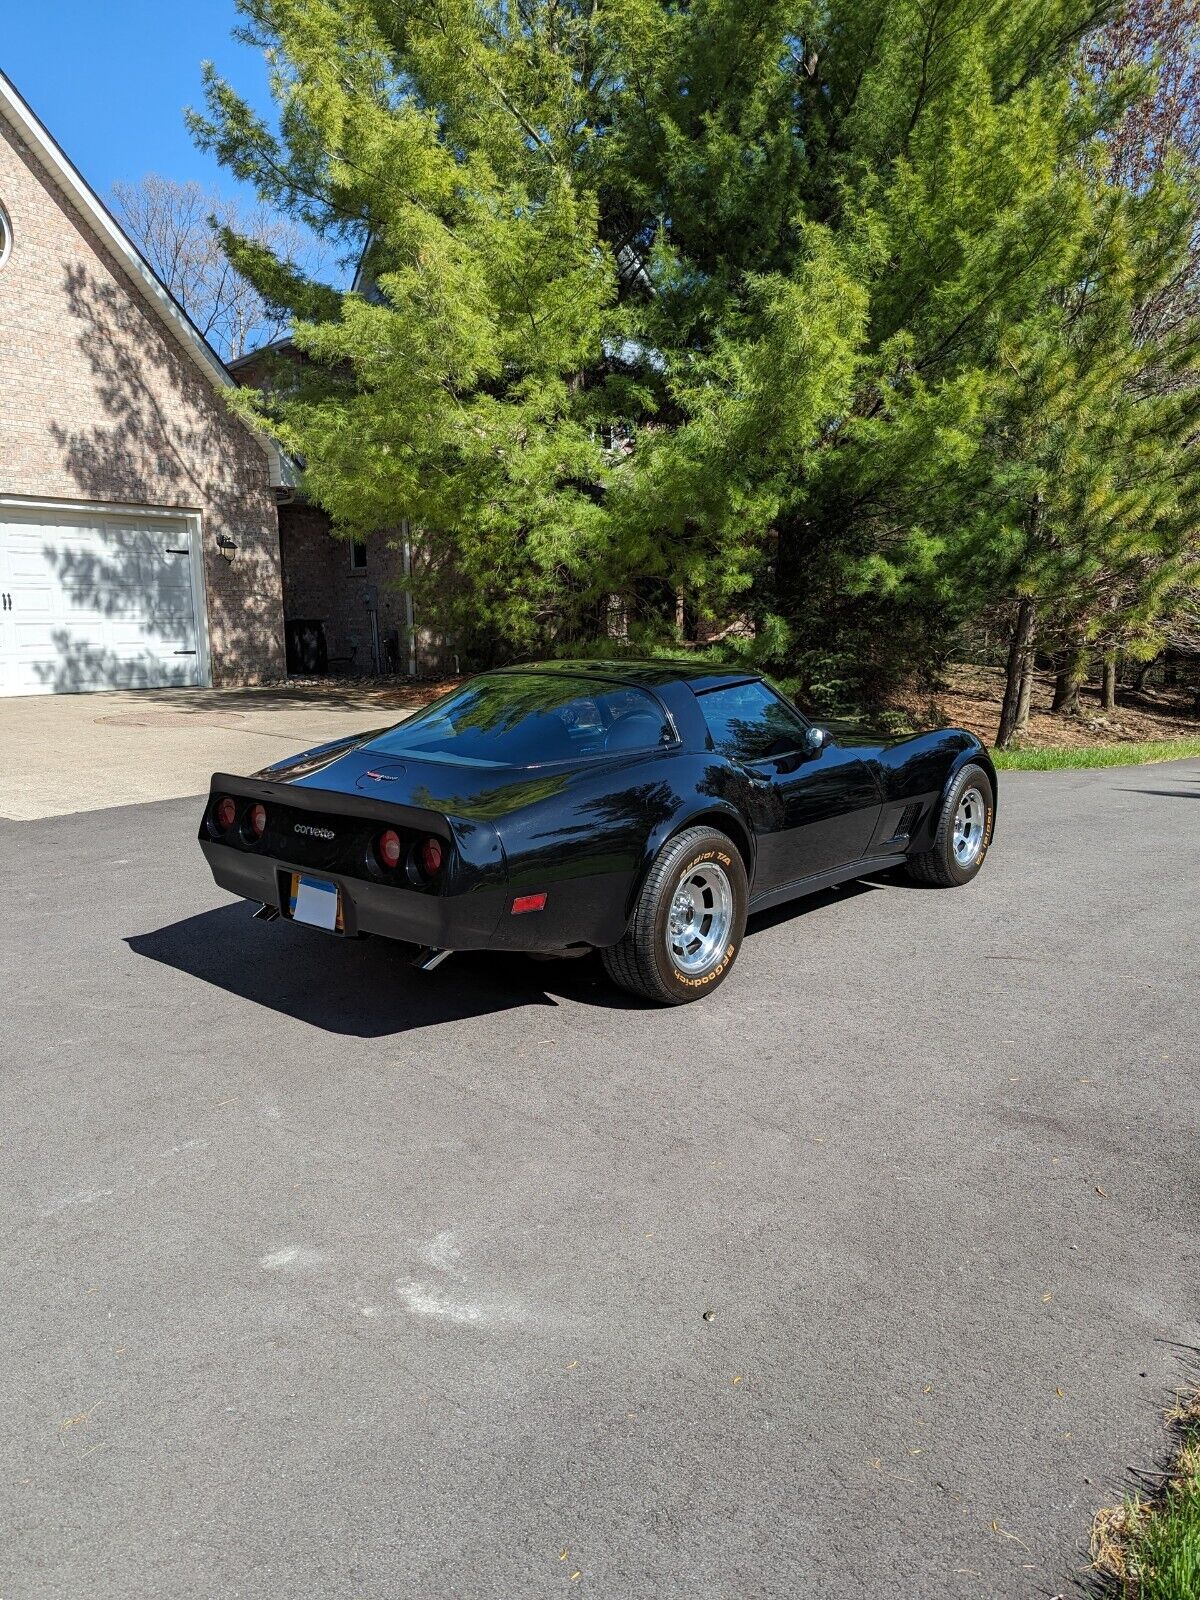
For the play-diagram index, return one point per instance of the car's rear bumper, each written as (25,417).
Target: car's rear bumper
(445,921)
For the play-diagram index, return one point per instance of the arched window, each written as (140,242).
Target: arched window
(5,236)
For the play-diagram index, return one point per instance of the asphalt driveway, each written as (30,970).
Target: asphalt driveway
(322,1277)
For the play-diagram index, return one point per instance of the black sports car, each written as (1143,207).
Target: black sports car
(642,810)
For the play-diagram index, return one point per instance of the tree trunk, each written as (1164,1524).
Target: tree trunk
(1108,689)
(1066,689)
(1026,694)
(1142,673)
(1068,680)
(1014,713)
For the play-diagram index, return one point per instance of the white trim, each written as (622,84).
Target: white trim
(191,520)
(5,235)
(36,139)
(194,521)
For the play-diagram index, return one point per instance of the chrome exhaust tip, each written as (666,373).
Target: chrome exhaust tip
(266,913)
(429,957)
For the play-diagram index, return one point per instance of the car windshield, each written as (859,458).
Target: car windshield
(518,719)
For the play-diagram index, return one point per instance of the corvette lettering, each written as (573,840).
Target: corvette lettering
(314,832)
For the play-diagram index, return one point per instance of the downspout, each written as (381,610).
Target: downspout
(410,627)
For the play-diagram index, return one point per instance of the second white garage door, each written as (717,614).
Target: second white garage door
(91,601)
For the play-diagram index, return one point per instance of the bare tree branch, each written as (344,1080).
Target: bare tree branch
(172,224)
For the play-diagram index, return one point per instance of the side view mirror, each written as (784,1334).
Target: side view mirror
(815,741)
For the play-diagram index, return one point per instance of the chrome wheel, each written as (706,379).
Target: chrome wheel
(969,822)
(700,918)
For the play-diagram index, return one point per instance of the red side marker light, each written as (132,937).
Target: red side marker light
(225,814)
(528,902)
(258,820)
(388,849)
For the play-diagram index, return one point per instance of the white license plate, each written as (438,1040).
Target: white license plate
(316,902)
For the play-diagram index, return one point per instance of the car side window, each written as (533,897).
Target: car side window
(749,723)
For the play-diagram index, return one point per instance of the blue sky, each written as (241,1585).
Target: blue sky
(110,79)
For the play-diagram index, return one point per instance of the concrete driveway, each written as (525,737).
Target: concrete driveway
(82,752)
(324,1277)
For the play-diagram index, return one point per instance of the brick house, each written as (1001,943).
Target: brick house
(148,537)
(139,531)
(344,604)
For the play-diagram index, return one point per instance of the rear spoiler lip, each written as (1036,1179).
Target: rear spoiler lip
(349,804)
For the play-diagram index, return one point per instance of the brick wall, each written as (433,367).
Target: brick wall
(319,585)
(98,402)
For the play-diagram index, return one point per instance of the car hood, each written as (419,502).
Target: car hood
(853,736)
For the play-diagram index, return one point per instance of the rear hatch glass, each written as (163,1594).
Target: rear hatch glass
(527,720)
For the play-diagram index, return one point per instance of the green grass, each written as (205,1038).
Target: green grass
(1151,1550)
(1166,1551)
(1097,755)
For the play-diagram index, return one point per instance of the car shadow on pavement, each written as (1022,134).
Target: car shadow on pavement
(366,989)
(363,987)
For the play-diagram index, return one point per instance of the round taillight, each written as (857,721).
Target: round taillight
(388,849)
(258,820)
(431,857)
(225,814)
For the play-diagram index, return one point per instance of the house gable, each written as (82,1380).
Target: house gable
(107,399)
(30,136)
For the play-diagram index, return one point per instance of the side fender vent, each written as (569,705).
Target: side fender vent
(906,824)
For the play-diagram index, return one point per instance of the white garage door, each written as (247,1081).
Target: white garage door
(91,601)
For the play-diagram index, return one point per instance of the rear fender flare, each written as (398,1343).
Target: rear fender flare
(723,818)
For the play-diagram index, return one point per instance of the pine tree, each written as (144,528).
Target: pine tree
(771,307)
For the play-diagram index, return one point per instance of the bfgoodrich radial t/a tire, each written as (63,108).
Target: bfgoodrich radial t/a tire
(963,832)
(688,924)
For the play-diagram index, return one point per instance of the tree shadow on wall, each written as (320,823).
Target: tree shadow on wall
(80,665)
(164,438)
(127,592)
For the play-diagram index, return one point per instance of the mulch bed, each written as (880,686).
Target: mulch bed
(972,696)
(382,690)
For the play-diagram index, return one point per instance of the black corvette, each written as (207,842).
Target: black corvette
(640,810)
